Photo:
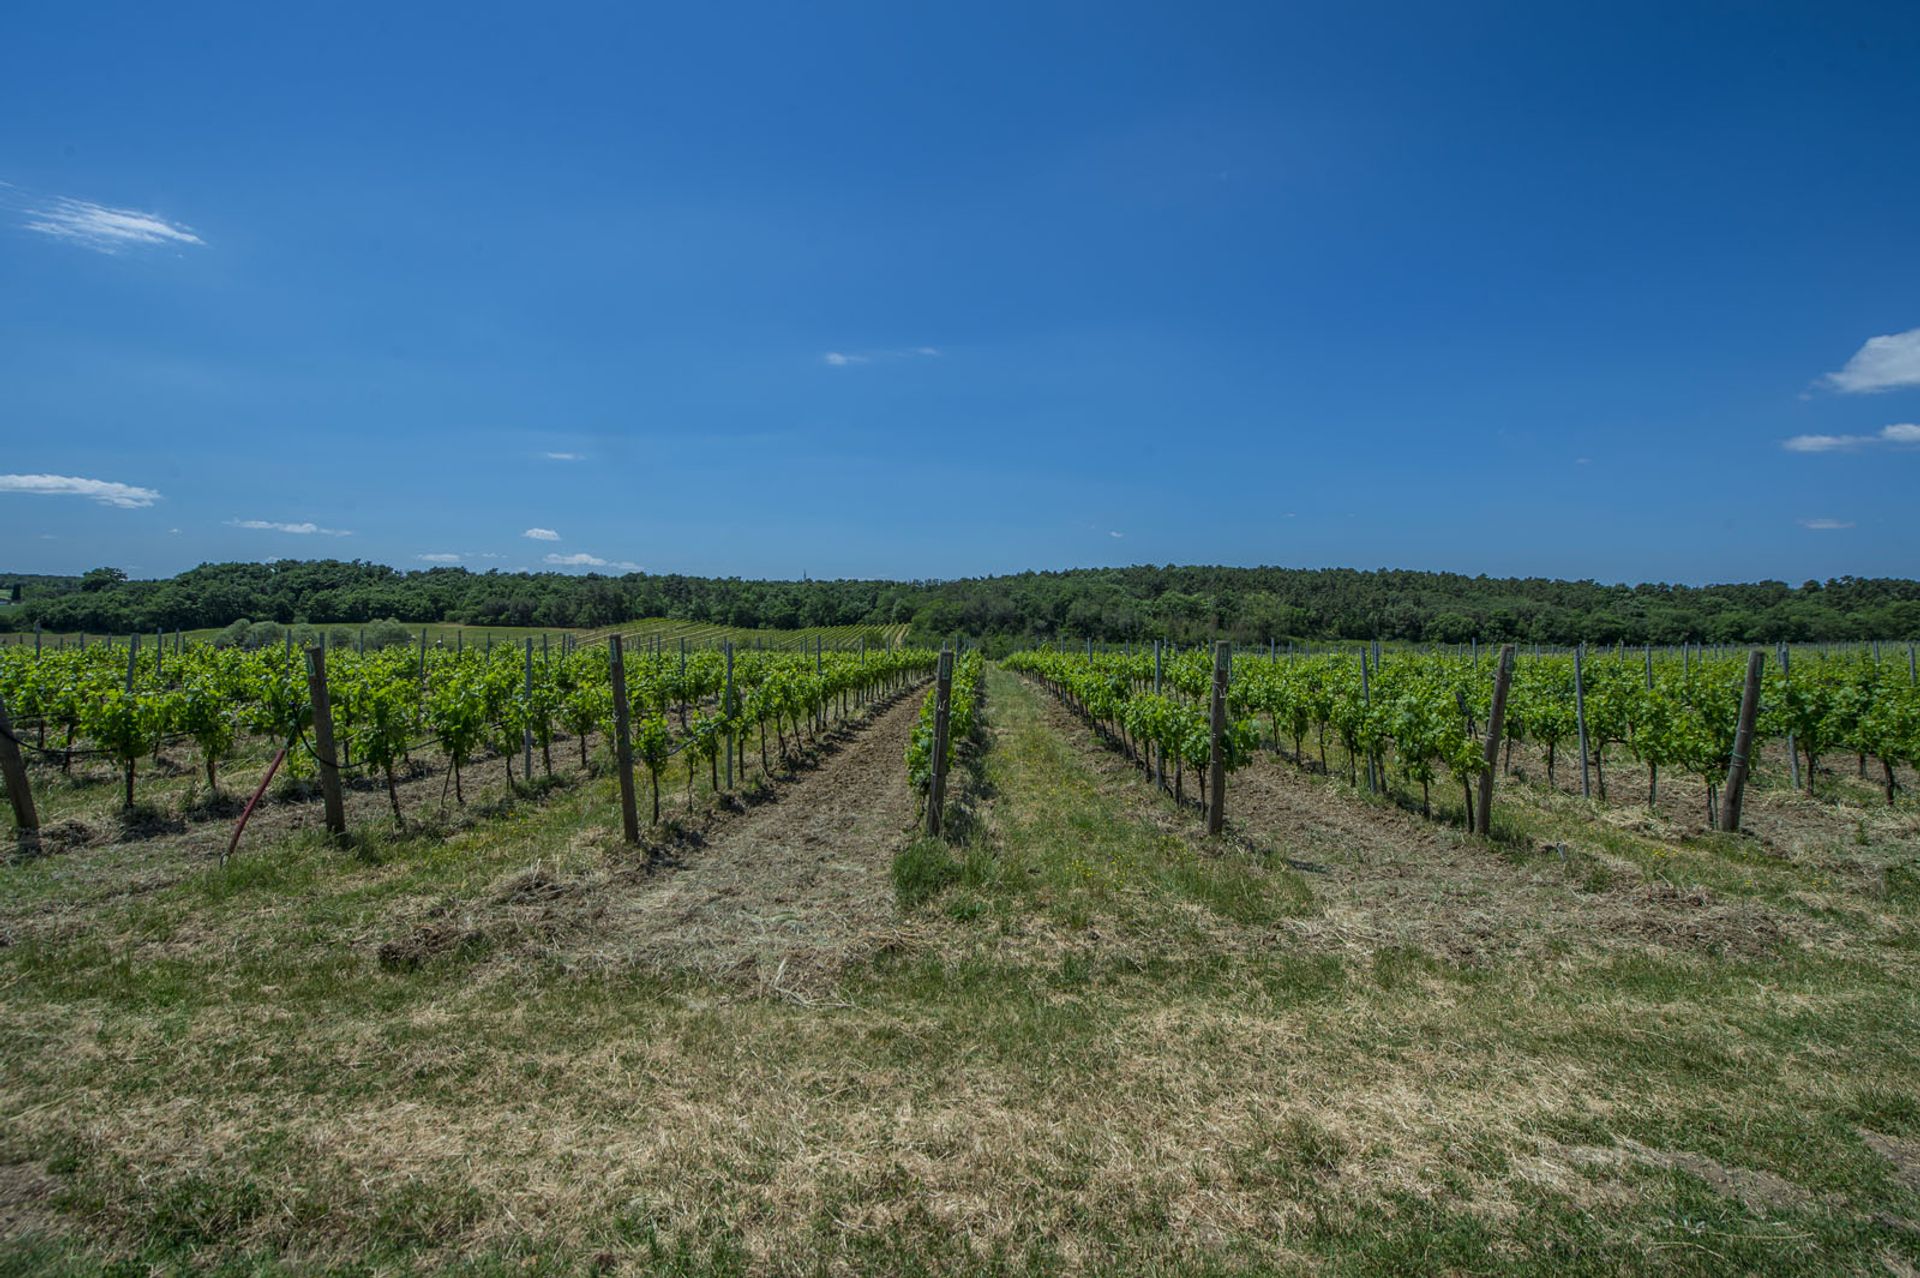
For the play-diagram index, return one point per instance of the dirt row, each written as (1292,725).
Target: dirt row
(1385,878)
(773,893)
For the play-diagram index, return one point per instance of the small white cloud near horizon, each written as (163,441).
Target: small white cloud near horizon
(1883,363)
(564,456)
(304,528)
(1116,534)
(104,491)
(582,559)
(1898,434)
(541,534)
(842,359)
(1825,525)
(104,229)
(438,559)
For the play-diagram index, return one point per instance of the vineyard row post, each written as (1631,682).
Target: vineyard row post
(1159,751)
(1496,722)
(323,747)
(1580,716)
(1742,743)
(25,820)
(1366,700)
(1793,753)
(1217,729)
(526,729)
(942,705)
(727,713)
(622,742)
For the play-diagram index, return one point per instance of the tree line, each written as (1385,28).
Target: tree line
(1185,604)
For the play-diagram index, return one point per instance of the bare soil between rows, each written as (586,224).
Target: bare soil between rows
(774,893)
(1385,878)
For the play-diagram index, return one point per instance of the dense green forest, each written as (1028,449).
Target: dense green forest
(1246,604)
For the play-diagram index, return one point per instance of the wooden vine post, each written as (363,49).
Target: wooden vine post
(1217,728)
(1159,752)
(1366,699)
(1742,743)
(323,746)
(1580,718)
(622,742)
(24,818)
(942,703)
(1496,722)
(526,729)
(1793,751)
(727,711)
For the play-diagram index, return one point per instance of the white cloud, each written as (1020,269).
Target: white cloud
(1897,434)
(104,229)
(584,560)
(564,456)
(104,491)
(1826,525)
(438,559)
(841,359)
(303,528)
(541,534)
(1116,534)
(1884,363)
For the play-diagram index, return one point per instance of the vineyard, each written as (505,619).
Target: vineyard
(1415,718)
(1390,959)
(380,715)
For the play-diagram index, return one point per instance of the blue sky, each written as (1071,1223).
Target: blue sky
(1630,291)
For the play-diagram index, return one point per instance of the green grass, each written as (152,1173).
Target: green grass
(1095,1042)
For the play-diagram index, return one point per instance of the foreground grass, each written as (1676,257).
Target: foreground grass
(1096,1044)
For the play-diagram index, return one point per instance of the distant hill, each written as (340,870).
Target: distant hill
(1111,604)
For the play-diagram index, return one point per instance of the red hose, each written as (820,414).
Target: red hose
(241,826)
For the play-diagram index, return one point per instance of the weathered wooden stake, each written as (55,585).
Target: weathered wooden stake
(1366,699)
(1742,744)
(1793,751)
(1580,716)
(1160,752)
(623,743)
(726,710)
(1217,726)
(942,704)
(24,817)
(526,730)
(1496,722)
(323,741)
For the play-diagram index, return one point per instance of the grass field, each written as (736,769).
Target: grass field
(796,1039)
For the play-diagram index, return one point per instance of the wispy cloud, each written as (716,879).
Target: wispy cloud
(564,456)
(1897,435)
(1883,363)
(584,560)
(1116,534)
(843,359)
(541,534)
(104,491)
(1826,525)
(103,228)
(303,528)
(438,559)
